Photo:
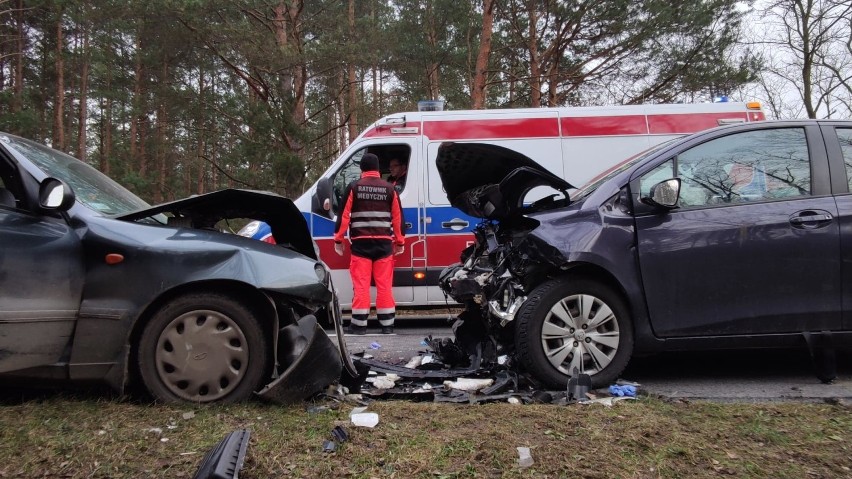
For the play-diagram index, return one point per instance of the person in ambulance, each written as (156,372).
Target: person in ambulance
(373,216)
(398,173)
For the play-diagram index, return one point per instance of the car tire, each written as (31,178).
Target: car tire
(549,347)
(203,348)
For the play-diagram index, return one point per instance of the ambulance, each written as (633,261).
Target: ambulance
(575,143)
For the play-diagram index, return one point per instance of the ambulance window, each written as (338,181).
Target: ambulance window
(349,172)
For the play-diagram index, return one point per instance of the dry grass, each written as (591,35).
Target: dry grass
(60,436)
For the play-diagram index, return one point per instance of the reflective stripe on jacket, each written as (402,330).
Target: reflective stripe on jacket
(371,211)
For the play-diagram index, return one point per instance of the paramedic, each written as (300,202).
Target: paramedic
(373,216)
(398,172)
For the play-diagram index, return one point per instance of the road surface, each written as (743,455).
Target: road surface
(724,376)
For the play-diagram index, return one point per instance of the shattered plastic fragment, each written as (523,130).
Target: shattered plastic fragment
(414,362)
(513,400)
(340,434)
(608,402)
(375,345)
(383,382)
(524,457)
(467,384)
(365,419)
(329,446)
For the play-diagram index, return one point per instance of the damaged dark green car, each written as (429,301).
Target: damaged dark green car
(97,286)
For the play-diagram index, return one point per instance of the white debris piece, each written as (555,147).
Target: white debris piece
(524,457)
(382,382)
(468,384)
(427,359)
(360,417)
(414,362)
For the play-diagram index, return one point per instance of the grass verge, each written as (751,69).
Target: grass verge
(69,437)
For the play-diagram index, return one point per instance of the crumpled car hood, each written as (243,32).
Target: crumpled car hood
(204,211)
(490,181)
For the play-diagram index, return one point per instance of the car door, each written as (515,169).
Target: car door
(41,279)
(753,247)
(838,141)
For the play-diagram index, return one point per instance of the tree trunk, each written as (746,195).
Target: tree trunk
(18,85)
(480,78)
(84,89)
(136,110)
(160,140)
(353,97)
(300,76)
(106,149)
(200,147)
(532,46)
(59,103)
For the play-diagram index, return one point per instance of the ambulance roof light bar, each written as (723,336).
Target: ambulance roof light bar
(430,105)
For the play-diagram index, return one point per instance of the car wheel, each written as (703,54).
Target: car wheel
(574,323)
(203,348)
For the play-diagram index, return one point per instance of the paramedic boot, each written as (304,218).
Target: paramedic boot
(355,329)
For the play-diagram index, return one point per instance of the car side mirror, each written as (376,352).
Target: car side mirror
(321,201)
(664,194)
(55,195)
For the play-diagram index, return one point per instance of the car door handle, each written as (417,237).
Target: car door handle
(455,224)
(408,225)
(798,220)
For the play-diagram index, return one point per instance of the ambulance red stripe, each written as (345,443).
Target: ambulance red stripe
(615,125)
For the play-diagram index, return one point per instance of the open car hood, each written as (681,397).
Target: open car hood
(204,211)
(490,181)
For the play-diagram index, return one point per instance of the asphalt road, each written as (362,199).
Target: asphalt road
(724,376)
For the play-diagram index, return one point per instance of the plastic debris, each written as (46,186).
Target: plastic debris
(382,382)
(467,384)
(427,359)
(414,362)
(608,402)
(625,390)
(513,400)
(375,345)
(339,434)
(424,343)
(329,446)
(624,382)
(524,457)
(365,419)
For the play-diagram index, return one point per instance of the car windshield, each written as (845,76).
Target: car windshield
(91,187)
(595,182)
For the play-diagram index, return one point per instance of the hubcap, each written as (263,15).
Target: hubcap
(202,356)
(580,331)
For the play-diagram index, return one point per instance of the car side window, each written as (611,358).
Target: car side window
(845,137)
(742,167)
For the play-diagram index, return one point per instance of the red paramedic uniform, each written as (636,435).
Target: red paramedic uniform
(373,216)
